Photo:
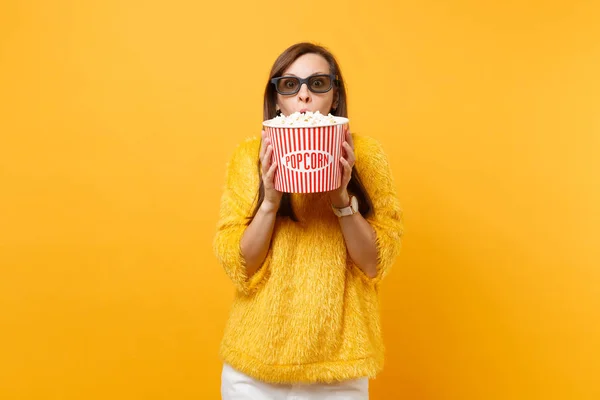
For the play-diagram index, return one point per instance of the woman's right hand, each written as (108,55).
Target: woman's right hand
(268,166)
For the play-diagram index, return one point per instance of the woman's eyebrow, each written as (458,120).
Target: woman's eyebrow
(315,73)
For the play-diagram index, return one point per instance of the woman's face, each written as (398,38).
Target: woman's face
(305,100)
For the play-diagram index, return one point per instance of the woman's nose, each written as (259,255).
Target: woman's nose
(304,93)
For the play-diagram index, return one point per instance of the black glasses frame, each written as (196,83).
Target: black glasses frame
(333,79)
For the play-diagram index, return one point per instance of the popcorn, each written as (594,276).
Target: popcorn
(304,119)
(306,148)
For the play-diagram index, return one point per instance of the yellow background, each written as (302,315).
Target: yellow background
(117,119)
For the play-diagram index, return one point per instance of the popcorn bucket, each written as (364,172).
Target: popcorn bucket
(308,157)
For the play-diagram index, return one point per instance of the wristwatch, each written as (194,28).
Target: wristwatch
(345,211)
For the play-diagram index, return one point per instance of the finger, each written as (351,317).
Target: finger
(350,156)
(271,172)
(345,164)
(266,160)
(348,152)
(269,180)
(349,138)
(263,144)
(347,167)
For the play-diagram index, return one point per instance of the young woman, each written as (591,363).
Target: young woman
(305,322)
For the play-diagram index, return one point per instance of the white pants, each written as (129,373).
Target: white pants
(238,386)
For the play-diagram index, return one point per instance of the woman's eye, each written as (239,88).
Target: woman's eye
(290,84)
(320,83)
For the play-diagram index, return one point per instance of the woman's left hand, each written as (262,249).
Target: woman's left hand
(339,197)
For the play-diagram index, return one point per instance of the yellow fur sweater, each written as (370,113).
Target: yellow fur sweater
(308,314)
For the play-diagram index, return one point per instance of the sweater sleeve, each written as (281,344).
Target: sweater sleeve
(237,203)
(386,217)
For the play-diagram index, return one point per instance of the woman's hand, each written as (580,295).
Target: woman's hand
(339,197)
(268,166)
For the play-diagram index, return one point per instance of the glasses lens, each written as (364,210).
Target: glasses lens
(320,83)
(287,85)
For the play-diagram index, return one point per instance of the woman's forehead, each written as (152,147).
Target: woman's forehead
(308,64)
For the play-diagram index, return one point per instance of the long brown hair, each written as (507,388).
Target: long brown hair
(282,63)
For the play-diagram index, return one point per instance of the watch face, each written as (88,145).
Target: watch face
(354,204)
(351,209)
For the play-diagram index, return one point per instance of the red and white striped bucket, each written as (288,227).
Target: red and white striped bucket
(308,157)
